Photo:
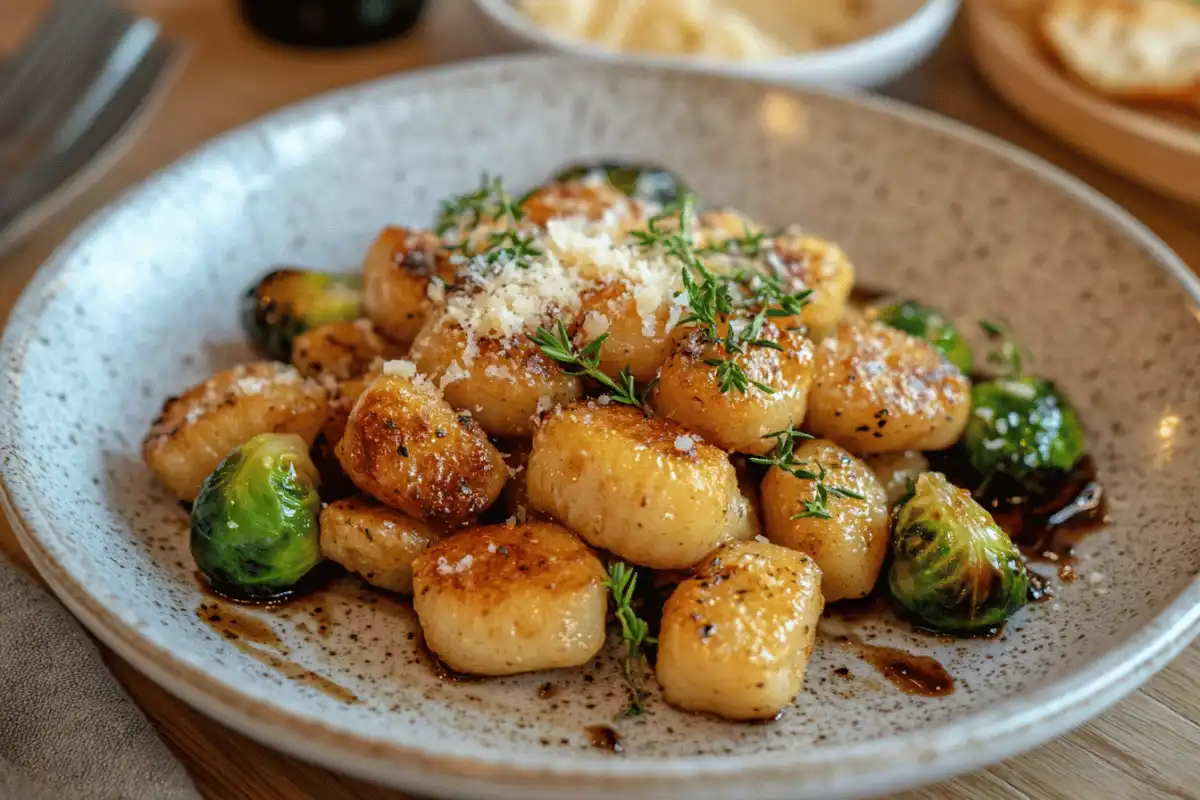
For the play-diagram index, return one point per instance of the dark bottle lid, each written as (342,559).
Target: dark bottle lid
(331,23)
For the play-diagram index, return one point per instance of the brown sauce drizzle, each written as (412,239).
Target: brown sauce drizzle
(910,673)
(861,295)
(237,626)
(1045,523)
(256,639)
(602,737)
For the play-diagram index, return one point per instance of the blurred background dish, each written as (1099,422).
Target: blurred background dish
(833,43)
(331,23)
(1133,119)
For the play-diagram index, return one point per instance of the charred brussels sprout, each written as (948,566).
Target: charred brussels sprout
(952,566)
(639,181)
(287,302)
(255,522)
(1021,427)
(928,324)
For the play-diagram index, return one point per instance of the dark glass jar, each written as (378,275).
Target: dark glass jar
(331,23)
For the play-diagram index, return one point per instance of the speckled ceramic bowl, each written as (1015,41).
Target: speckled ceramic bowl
(141,302)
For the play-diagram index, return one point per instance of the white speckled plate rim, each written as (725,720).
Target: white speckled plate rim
(853,770)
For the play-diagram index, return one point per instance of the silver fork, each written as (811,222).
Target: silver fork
(69,94)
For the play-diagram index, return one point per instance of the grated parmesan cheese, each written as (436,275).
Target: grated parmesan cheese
(401,367)
(509,299)
(444,567)
(594,324)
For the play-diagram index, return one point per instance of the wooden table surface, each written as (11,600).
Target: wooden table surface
(1148,746)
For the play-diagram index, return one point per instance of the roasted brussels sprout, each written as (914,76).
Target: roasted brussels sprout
(255,530)
(953,567)
(1021,427)
(639,181)
(287,302)
(928,324)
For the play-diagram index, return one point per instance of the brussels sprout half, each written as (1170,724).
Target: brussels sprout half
(928,324)
(255,528)
(639,181)
(953,567)
(287,302)
(1021,427)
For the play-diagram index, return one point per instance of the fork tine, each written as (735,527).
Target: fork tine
(130,49)
(63,15)
(25,191)
(67,72)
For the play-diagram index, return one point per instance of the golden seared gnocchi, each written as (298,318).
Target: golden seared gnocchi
(897,471)
(725,224)
(503,382)
(344,357)
(879,390)
(516,492)
(693,394)
(376,541)
(603,366)
(197,429)
(806,262)
(401,269)
(341,351)
(590,200)
(748,484)
(643,488)
(407,447)
(736,637)
(849,545)
(637,322)
(504,599)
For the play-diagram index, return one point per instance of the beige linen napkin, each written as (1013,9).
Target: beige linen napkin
(67,729)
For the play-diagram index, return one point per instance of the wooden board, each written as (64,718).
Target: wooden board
(1160,149)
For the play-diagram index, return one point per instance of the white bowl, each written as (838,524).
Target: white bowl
(905,32)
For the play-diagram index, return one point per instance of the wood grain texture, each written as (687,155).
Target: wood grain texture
(1160,149)
(1146,747)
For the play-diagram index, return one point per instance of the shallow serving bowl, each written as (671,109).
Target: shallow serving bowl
(899,34)
(142,302)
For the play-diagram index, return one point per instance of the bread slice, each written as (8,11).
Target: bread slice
(1132,50)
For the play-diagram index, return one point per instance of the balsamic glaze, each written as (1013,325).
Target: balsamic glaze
(602,737)
(259,641)
(1045,522)
(908,672)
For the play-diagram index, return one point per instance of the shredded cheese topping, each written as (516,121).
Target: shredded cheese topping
(513,297)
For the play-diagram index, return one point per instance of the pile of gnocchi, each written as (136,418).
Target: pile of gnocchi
(516,414)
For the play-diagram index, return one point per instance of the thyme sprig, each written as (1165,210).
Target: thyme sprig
(785,459)
(1004,353)
(730,374)
(818,508)
(490,201)
(749,245)
(622,581)
(710,298)
(557,345)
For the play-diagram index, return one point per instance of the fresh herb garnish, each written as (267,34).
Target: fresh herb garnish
(784,458)
(749,245)
(730,374)
(471,207)
(819,507)
(621,581)
(490,202)
(1004,353)
(710,300)
(559,347)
